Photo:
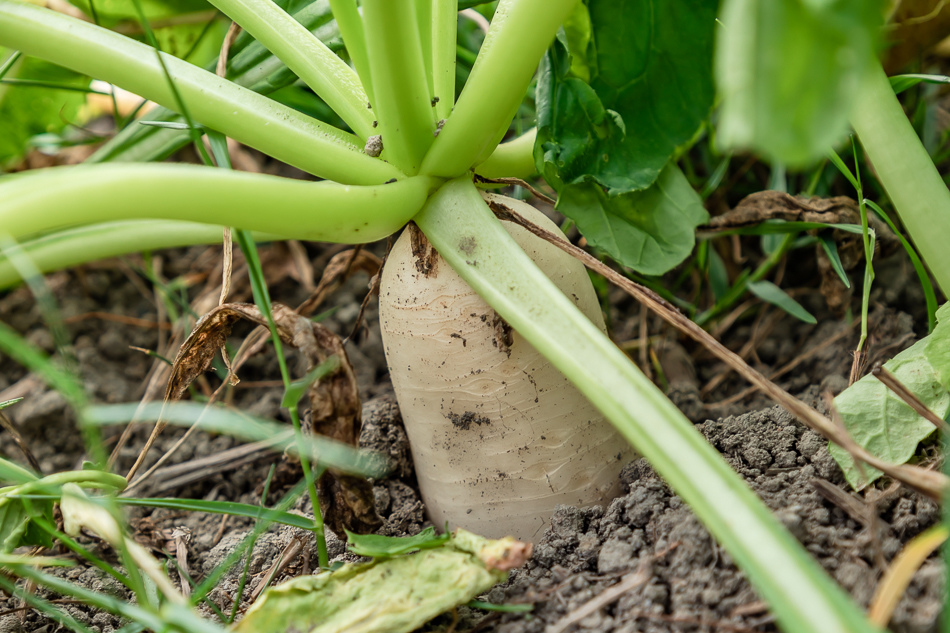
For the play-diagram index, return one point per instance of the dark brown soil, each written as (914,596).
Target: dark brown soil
(687,582)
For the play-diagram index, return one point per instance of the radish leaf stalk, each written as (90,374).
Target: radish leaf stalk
(323,211)
(403,106)
(444,36)
(309,58)
(351,28)
(906,170)
(462,228)
(520,32)
(221,105)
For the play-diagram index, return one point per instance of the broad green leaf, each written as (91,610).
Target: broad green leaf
(616,112)
(13,522)
(396,595)
(769,292)
(377,546)
(650,231)
(28,111)
(34,561)
(788,70)
(13,473)
(16,527)
(880,421)
(938,352)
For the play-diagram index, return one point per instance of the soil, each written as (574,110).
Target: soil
(677,578)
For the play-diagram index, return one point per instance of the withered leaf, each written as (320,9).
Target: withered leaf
(776,205)
(335,409)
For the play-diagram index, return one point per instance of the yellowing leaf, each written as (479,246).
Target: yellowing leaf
(396,595)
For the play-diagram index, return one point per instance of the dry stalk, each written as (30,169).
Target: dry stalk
(931,483)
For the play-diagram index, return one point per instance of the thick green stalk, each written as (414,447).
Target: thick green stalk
(254,68)
(402,105)
(804,599)
(43,200)
(351,28)
(246,52)
(520,33)
(906,170)
(444,40)
(310,59)
(514,159)
(425,27)
(79,245)
(237,112)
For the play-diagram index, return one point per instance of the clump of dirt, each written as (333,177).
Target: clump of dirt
(683,580)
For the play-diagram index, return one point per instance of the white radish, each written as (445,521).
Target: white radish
(498,435)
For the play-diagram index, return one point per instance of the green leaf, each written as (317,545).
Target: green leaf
(880,421)
(767,291)
(222,507)
(377,546)
(169,125)
(650,231)
(9,403)
(13,522)
(396,595)
(831,250)
(900,83)
(11,472)
(770,227)
(938,351)
(16,527)
(788,72)
(718,275)
(27,111)
(649,89)
(296,390)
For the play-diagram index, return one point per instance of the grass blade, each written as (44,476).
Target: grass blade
(769,292)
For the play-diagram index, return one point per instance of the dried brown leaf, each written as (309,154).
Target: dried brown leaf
(776,205)
(335,408)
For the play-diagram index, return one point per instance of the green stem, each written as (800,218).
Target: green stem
(42,200)
(444,36)
(237,112)
(514,159)
(263,302)
(520,33)
(425,27)
(906,171)
(801,595)
(254,68)
(310,59)
(868,240)
(350,23)
(64,249)
(402,105)
(84,478)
